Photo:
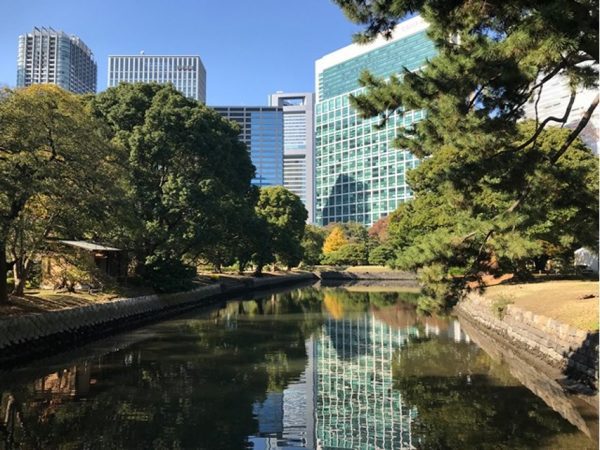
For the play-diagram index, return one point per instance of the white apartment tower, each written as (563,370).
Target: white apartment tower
(185,72)
(298,145)
(553,102)
(50,56)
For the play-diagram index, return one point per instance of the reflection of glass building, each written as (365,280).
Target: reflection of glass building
(298,145)
(286,419)
(356,404)
(185,72)
(50,56)
(262,131)
(359,176)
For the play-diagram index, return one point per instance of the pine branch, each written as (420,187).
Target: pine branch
(547,120)
(575,133)
(527,189)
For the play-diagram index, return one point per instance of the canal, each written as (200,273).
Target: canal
(311,367)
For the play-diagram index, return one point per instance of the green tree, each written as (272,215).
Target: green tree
(312,245)
(58,174)
(429,233)
(381,255)
(285,215)
(355,232)
(351,254)
(480,185)
(185,165)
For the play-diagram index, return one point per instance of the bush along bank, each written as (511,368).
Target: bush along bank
(32,335)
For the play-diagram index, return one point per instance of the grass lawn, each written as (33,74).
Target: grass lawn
(560,300)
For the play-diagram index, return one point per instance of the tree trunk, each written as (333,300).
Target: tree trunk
(540,263)
(3,271)
(21,270)
(258,271)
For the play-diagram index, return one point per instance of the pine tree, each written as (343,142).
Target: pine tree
(486,193)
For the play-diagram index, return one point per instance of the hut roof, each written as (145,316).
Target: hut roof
(91,246)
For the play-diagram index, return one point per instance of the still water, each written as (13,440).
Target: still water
(328,368)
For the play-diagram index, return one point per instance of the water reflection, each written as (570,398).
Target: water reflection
(309,368)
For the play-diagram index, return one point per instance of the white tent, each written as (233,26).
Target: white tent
(587,258)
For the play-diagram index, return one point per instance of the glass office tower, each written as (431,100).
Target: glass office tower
(186,73)
(262,131)
(298,145)
(50,56)
(359,176)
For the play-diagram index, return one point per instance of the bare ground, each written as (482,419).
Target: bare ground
(560,300)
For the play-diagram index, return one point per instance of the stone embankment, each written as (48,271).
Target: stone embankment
(573,351)
(31,335)
(389,275)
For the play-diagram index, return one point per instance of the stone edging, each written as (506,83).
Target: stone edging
(558,344)
(344,275)
(30,335)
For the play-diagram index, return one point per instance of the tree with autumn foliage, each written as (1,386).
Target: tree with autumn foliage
(335,240)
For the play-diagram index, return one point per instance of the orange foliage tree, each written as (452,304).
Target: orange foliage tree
(335,240)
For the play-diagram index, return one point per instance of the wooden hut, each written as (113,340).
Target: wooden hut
(84,259)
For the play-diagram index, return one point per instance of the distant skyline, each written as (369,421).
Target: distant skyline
(250,49)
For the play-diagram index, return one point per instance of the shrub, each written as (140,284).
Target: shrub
(499,305)
(351,254)
(381,255)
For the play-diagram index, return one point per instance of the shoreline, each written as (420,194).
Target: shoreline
(386,275)
(571,353)
(29,336)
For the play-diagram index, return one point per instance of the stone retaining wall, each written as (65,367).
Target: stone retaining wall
(396,275)
(560,345)
(29,335)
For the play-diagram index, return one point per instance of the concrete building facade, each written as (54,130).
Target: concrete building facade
(298,144)
(262,132)
(359,176)
(49,56)
(553,102)
(185,72)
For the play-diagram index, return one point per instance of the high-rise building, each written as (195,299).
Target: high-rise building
(553,102)
(186,73)
(298,145)
(359,175)
(262,132)
(50,56)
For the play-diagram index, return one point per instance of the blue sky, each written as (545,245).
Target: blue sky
(250,48)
